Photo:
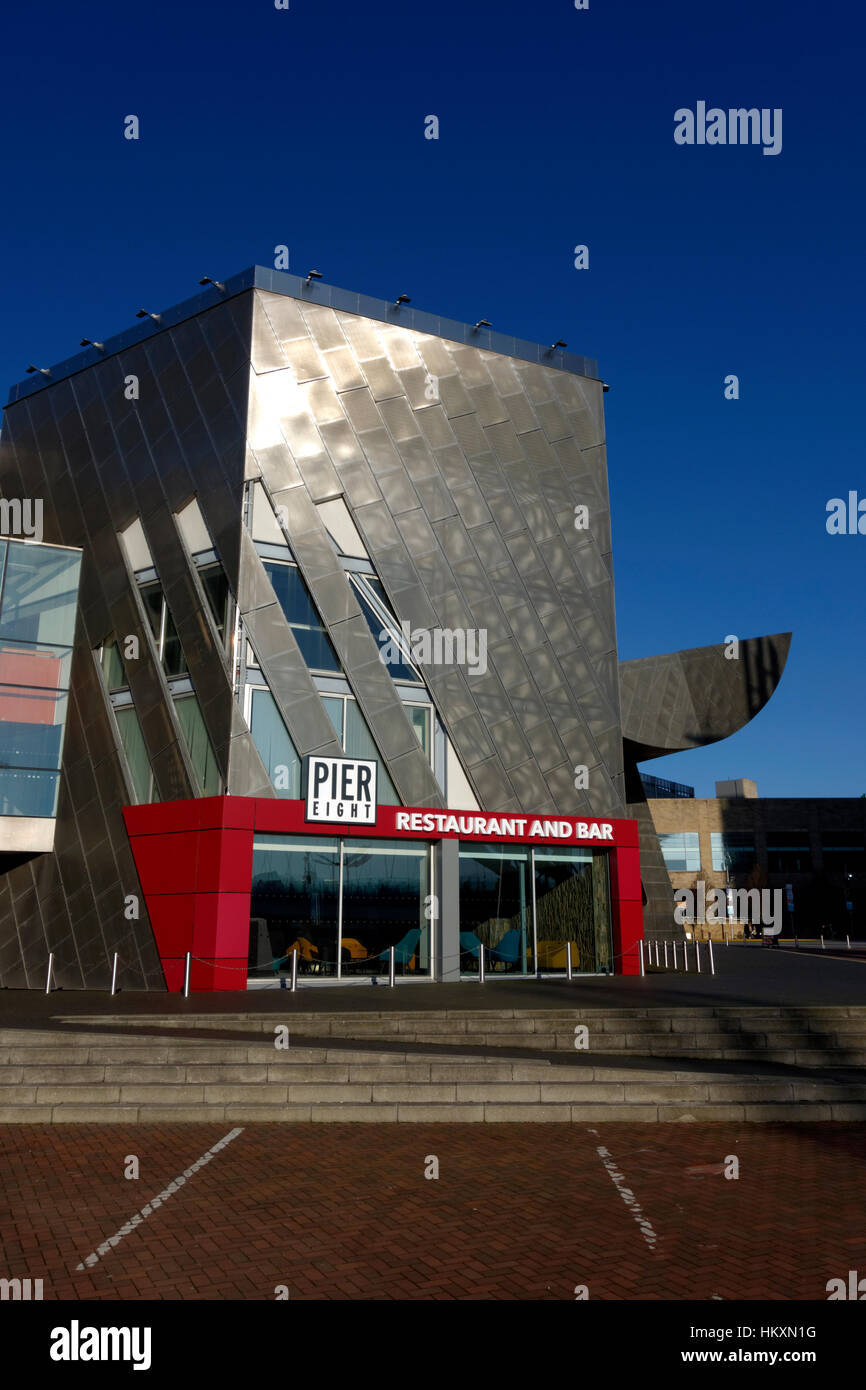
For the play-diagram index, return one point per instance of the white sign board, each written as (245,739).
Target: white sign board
(341,791)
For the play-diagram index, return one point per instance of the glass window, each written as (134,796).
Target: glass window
(385,888)
(167,643)
(276,749)
(40,594)
(495,909)
(112,665)
(200,750)
(788,852)
(135,749)
(294,599)
(294,905)
(420,717)
(358,743)
(733,851)
(216,589)
(27,792)
(682,852)
(384,632)
(572,911)
(844,851)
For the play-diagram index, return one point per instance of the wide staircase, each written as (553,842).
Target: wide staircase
(568,1065)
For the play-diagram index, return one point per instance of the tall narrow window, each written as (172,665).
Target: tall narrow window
(200,749)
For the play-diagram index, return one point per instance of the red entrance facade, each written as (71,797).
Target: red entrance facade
(195,862)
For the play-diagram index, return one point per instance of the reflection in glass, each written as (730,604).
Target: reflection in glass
(385,887)
(112,665)
(38,602)
(136,752)
(351,729)
(199,745)
(276,749)
(40,593)
(399,669)
(495,909)
(217,593)
(571,910)
(294,599)
(294,905)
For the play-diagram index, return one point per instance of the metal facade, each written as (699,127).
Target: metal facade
(461,457)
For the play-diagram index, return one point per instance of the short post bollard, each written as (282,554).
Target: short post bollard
(294,984)
(568,960)
(481,962)
(823,947)
(50,972)
(712,962)
(186,975)
(698,955)
(640,957)
(848,939)
(666,955)
(675,955)
(392,967)
(114,974)
(686,956)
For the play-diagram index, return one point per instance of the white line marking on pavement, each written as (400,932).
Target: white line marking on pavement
(618,1179)
(129,1226)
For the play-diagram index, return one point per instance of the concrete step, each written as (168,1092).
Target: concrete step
(590,1112)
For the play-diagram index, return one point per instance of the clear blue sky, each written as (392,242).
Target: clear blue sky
(306,127)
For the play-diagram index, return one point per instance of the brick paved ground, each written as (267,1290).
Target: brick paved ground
(518,1212)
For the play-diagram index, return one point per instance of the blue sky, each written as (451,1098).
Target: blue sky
(306,127)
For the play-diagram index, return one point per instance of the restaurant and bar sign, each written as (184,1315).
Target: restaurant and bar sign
(340,791)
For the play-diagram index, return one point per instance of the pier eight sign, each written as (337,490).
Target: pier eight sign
(341,790)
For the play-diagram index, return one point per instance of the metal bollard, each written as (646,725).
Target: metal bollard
(712,962)
(823,947)
(50,970)
(114,974)
(392,969)
(568,960)
(640,957)
(686,956)
(675,955)
(666,955)
(848,939)
(698,955)
(481,962)
(294,984)
(186,975)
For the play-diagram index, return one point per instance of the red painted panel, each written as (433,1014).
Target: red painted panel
(625,869)
(172,916)
(222,925)
(627,931)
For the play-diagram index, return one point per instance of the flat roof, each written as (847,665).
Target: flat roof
(313,292)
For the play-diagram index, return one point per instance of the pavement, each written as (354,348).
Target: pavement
(345,1212)
(745,975)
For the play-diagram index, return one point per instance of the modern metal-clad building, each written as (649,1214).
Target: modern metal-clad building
(339,673)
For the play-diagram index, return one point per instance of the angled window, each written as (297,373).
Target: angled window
(275,747)
(216,588)
(384,627)
(199,745)
(135,751)
(293,597)
(165,638)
